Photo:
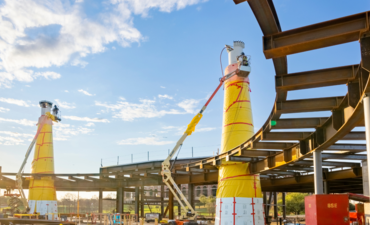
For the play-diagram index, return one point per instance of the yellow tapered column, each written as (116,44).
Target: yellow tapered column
(42,194)
(239,196)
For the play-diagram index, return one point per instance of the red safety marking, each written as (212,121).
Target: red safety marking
(234,210)
(241,90)
(253,211)
(220,209)
(238,123)
(42,143)
(41,158)
(42,187)
(243,175)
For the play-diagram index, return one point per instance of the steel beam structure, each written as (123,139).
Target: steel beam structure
(320,35)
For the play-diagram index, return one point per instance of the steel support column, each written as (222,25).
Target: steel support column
(162,200)
(275,206)
(284,204)
(142,201)
(365,178)
(137,200)
(265,203)
(119,200)
(366,102)
(326,187)
(191,194)
(116,209)
(100,201)
(317,166)
(178,209)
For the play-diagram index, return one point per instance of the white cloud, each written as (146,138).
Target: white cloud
(143,141)
(204,129)
(16,134)
(10,141)
(85,92)
(22,75)
(181,129)
(189,105)
(48,75)
(142,7)
(163,87)
(65,105)
(14,101)
(2,109)
(86,119)
(165,96)
(13,138)
(42,34)
(65,131)
(171,127)
(23,122)
(90,124)
(130,111)
(66,91)
(79,62)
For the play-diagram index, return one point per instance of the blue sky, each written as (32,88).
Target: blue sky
(130,75)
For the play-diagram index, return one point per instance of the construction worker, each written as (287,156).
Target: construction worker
(242,60)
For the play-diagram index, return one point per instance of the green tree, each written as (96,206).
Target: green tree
(294,203)
(203,199)
(209,202)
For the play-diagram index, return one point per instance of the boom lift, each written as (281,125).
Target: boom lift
(190,217)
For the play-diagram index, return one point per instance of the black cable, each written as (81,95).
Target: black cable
(175,158)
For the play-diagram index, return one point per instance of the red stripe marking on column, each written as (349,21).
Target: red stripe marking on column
(41,158)
(234,210)
(42,187)
(241,89)
(220,209)
(238,123)
(253,211)
(243,175)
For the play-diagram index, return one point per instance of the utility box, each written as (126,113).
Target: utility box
(327,209)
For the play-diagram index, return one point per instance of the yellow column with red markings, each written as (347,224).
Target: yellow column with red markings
(42,194)
(239,196)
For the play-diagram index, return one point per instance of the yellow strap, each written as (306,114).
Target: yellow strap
(52,117)
(193,123)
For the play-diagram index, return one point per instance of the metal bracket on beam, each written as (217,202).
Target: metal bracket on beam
(303,147)
(271,161)
(287,155)
(354,94)
(365,52)
(338,118)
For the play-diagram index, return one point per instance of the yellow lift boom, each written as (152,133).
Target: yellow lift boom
(166,170)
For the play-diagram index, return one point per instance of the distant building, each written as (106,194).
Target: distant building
(155,191)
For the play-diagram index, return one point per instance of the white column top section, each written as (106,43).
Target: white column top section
(238,49)
(45,106)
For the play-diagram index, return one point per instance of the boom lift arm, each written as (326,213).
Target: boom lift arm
(166,171)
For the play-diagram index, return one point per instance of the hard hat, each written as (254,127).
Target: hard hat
(242,53)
